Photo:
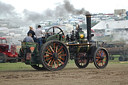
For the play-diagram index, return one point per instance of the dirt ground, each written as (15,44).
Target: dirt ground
(113,74)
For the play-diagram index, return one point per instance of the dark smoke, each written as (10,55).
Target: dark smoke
(60,11)
(29,17)
(70,8)
(66,8)
(63,10)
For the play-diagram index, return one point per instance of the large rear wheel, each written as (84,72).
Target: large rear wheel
(100,58)
(81,60)
(54,55)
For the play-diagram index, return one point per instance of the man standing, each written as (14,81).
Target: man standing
(39,34)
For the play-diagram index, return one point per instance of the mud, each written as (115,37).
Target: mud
(113,74)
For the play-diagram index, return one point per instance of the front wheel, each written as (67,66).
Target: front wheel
(100,58)
(82,60)
(54,55)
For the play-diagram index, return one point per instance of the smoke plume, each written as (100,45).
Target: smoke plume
(61,10)
(67,8)
(70,8)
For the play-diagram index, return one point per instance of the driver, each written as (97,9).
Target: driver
(39,34)
(78,29)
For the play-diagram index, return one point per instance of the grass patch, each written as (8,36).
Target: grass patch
(118,62)
(14,66)
(21,66)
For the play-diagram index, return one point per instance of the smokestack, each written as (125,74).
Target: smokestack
(88,19)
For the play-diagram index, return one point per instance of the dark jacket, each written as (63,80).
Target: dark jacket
(32,32)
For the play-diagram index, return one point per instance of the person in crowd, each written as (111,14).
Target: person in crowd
(39,34)
(28,38)
(32,32)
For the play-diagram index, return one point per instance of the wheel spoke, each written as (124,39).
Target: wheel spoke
(99,61)
(55,64)
(46,56)
(52,63)
(104,59)
(60,61)
(60,52)
(97,57)
(103,54)
(99,53)
(102,63)
(56,48)
(61,58)
(63,55)
(51,49)
(49,63)
(47,59)
(54,44)
(60,49)
(48,53)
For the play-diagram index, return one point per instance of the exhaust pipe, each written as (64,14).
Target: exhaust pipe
(88,20)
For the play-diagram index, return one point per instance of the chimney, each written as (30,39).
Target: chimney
(88,20)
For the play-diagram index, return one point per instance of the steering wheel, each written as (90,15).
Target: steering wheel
(54,30)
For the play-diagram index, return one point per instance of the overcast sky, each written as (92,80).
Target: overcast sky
(93,6)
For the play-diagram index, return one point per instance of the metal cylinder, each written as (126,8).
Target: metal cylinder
(88,20)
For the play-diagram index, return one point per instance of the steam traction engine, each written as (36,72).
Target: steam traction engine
(58,48)
(120,48)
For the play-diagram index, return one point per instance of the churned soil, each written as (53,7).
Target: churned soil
(113,74)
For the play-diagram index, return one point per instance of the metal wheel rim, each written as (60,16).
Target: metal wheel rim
(55,56)
(101,58)
(81,62)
